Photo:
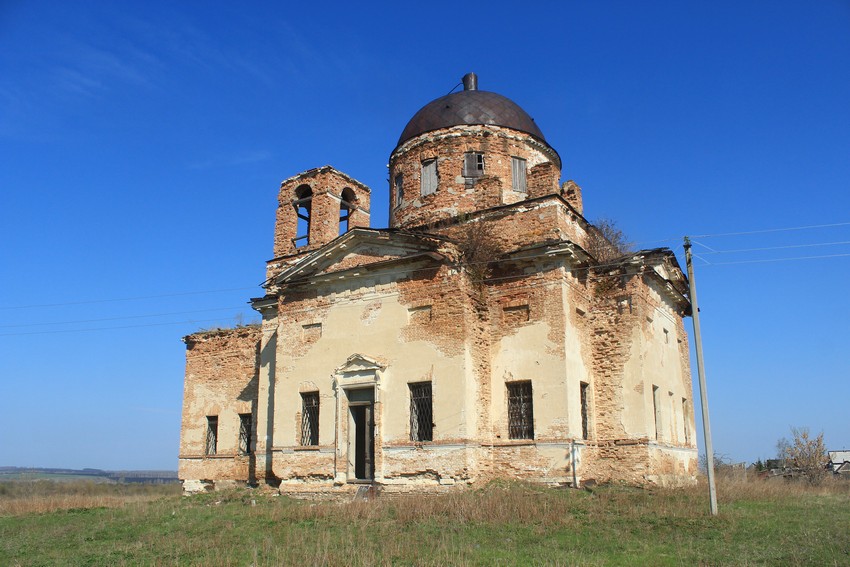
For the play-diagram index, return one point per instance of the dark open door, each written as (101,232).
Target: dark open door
(362,407)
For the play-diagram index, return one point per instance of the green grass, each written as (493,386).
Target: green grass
(500,524)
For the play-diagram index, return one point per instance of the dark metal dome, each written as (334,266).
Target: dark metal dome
(470,106)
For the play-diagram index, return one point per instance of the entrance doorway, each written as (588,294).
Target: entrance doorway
(361,433)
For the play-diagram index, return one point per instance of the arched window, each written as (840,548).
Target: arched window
(346,207)
(303,200)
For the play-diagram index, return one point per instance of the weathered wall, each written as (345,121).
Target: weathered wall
(327,185)
(415,327)
(455,193)
(221,380)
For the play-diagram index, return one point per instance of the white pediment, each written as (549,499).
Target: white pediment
(359,364)
(359,247)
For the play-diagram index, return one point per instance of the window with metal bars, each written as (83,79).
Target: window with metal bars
(212,435)
(520,411)
(310,418)
(421,412)
(473,164)
(245,433)
(585,424)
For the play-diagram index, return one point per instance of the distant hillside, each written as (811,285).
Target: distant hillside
(96,475)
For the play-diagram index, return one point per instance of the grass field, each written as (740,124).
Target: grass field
(760,523)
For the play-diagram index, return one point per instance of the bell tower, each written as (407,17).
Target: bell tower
(315,207)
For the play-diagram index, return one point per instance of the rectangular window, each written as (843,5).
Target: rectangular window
(585,424)
(421,412)
(429,177)
(245,447)
(518,175)
(399,189)
(473,164)
(656,410)
(686,419)
(310,418)
(520,411)
(212,435)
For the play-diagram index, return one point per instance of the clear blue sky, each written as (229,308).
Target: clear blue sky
(142,146)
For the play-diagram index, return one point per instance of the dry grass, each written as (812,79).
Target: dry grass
(42,496)
(503,523)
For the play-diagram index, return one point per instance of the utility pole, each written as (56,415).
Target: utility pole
(703,396)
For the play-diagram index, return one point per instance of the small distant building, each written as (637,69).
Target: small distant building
(839,462)
(485,334)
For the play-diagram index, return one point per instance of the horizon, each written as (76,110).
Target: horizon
(143,147)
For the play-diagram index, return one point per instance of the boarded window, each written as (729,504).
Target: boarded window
(212,435)
(473,164)
(520,411)
(245,446)
(429,177)
(518,175)
(421,412)
(310,418)
(585,411)
(399,189)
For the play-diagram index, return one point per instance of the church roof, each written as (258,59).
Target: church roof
(470,106)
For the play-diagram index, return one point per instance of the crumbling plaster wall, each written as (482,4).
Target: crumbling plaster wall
(221,380)
(375,316)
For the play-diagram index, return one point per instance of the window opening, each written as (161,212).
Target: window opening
(399,189)
(520,411)
(245,447)
(473,164)
(303,205)
(212,435)
(346,207)
(518,175)
(686,419)
(429,177)
(310,418)
(585,425)
(656,409)
(421,412)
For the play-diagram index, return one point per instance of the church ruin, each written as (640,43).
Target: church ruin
(484,334)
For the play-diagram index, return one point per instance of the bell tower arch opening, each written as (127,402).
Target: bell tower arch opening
(347,205)
(303,207)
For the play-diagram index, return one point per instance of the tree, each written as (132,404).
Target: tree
(605,241)
(479,248)
(806,453)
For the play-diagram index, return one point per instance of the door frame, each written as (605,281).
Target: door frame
(359,372)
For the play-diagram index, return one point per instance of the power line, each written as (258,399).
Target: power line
(413,270)
(779,259)
(763,231)
(120,318)
(766,248)
(90,301)
(108,328)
